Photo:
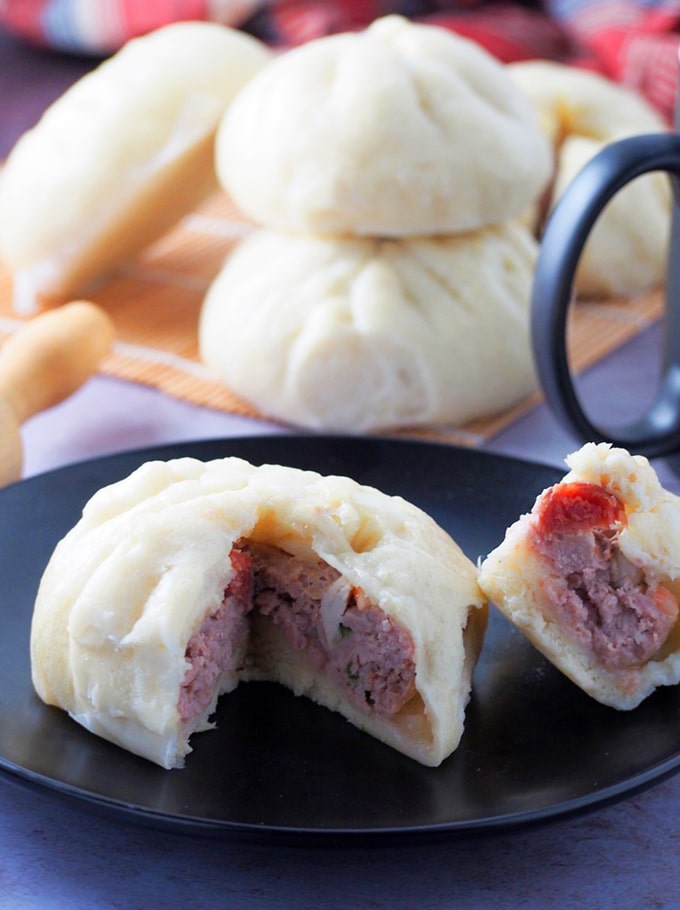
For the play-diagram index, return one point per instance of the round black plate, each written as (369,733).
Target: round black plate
(280,768)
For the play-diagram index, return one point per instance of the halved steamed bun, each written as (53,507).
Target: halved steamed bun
(360,334)
(592,576)
(398,130)
(186,578)
(119,157)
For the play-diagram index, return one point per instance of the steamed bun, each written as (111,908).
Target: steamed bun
(571,100)
(358,334)
(581,112)
(119,157)
(398,130)
(626,252)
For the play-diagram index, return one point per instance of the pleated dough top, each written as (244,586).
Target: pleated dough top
(399,130)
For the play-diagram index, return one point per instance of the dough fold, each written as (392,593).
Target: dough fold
(361,334)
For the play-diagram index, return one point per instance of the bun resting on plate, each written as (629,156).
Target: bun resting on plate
(361,334)
(119,157)
(581,112)
(186,578)
(397,130)
(592,576)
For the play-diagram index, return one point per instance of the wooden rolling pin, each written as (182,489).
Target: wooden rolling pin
(41,365)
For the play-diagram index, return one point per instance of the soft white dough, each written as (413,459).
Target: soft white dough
(581,112)
(119,157)
(572,100)
(627,250)
(133,580)
(358,334)
(397,130)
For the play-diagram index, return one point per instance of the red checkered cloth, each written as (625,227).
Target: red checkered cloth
(510,31)
(634,42)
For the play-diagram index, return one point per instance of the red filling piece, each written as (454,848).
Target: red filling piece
(569,507)
(369,656)
(619,612)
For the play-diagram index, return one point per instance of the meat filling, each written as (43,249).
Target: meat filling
(219,647)
(615,609)
(369,657)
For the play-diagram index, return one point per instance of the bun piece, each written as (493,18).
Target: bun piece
(187,577)
(362,334)
(581,112)
(592,576)
(119,158)
(397,130)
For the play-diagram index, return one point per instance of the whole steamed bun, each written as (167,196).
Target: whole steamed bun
(627,249)
(398,130)
(570,100)
(117,159)
(581,112)
(359,334)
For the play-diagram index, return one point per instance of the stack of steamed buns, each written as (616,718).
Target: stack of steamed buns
(389,281)
(398,180)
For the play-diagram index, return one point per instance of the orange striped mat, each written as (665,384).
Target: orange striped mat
(155,302)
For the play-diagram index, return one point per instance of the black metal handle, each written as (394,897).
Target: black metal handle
(658,431)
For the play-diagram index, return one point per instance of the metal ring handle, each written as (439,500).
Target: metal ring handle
(658,431)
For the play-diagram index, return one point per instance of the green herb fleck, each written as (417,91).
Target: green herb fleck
(351,672)
(344,631)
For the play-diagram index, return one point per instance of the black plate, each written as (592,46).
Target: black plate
(278,767)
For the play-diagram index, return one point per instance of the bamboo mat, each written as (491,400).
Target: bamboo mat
(155,303)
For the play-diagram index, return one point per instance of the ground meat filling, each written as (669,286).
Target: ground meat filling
(367,655)
(219,647)
(607,604)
